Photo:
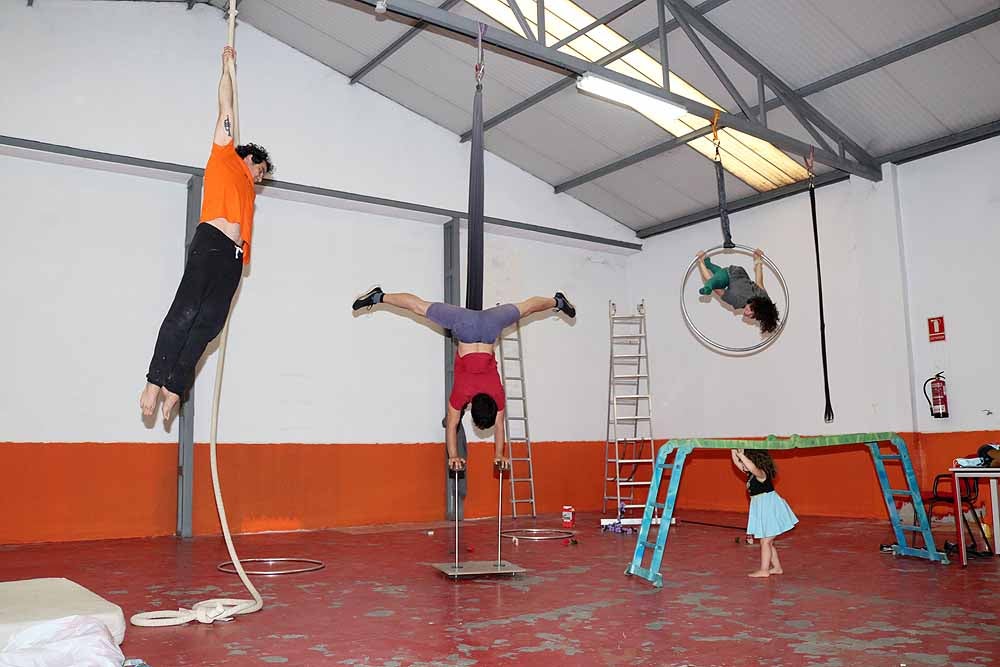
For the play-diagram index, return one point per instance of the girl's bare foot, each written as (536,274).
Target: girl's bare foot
(147,399)
(776,570)
(170,400)
(759,573)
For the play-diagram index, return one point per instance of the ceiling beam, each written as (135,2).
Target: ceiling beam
(754,66)
(921,150)
(652,151)
(712,213)
(530,49)
(31,149)
(638,43)
(521,21)
(615,13)
(396,45)
(913,48)
(539,21)
(706,55)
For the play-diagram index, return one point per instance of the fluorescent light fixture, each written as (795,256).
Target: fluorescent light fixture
(628,96)
(752,160)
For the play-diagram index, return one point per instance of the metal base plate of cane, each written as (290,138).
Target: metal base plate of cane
(479,568)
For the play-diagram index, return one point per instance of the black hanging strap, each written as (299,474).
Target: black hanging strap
(720,179)
(828,414)
(474,278)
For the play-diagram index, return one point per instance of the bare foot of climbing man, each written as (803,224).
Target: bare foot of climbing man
(170,400)
(147,399)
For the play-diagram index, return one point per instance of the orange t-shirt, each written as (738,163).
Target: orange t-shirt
(228,192)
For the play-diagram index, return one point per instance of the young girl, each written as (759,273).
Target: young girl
(770,515)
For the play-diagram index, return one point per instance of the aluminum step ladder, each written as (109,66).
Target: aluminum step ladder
(628,448)
(515,416)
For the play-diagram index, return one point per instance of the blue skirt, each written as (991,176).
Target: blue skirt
(770,515)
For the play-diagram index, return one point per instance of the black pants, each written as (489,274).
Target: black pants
(198,313)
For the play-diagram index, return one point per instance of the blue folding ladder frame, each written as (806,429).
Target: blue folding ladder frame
(685,447)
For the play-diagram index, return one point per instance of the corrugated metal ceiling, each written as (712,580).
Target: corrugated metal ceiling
(944,90)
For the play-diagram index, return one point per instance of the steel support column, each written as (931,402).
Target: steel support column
(453,295)
(185,418)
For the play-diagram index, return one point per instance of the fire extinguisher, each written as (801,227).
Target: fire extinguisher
(938,398)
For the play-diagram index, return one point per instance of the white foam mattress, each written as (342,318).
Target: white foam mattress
(28,602)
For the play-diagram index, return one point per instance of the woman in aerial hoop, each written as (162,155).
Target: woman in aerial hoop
(734,286)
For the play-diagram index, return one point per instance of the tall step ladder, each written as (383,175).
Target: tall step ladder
(628,447)
(515,417)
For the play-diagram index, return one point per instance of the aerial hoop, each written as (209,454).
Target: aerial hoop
(715,345)
(310,565)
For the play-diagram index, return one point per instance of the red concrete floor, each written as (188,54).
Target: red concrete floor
(841,603)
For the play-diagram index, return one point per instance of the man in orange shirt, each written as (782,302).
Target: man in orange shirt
(218,252)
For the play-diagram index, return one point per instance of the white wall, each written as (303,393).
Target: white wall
(85,258)
(950,205)
(566,361)
(300,367)
(699,392)
(91,260)
(140,79)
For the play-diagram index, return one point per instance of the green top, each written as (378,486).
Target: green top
(790,442)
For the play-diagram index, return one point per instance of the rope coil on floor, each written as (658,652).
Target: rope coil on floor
(219,609)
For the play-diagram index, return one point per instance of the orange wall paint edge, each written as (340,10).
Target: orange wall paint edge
(84,491)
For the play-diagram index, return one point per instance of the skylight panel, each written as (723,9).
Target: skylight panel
(754,161)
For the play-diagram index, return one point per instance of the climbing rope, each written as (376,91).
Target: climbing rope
(218,609)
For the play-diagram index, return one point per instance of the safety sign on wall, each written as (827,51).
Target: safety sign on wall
(935,329)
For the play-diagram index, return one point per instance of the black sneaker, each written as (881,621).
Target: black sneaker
(369,298)
(563,304)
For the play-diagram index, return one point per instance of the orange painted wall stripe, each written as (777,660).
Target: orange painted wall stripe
(81,491)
